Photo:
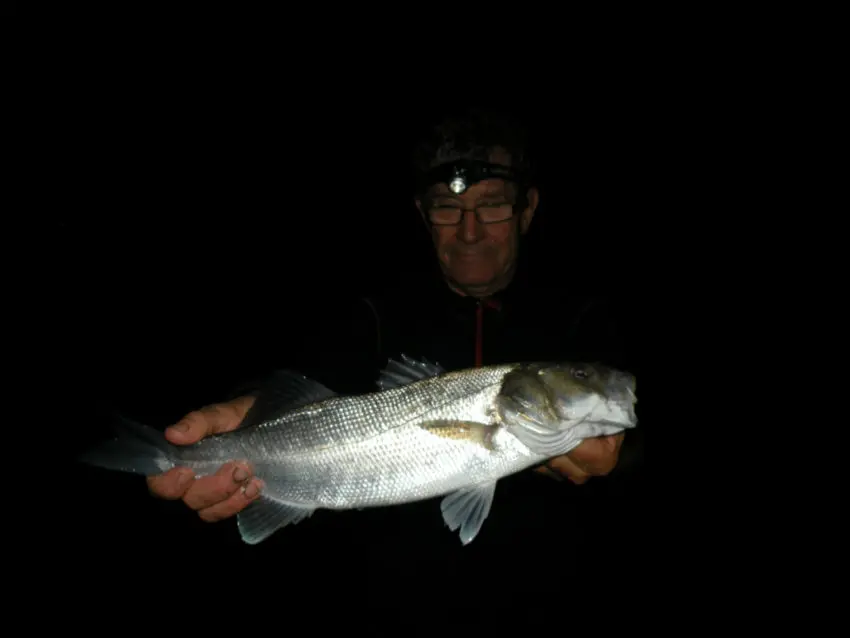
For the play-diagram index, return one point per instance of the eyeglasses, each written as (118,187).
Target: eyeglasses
(447,215)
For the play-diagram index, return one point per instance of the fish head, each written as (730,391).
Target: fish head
(591,399)
(581,391)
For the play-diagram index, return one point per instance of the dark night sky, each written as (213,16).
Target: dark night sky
(194,220)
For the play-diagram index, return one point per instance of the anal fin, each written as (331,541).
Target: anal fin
(467,509)
(265,516)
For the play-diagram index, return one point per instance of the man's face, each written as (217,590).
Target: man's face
(478,257)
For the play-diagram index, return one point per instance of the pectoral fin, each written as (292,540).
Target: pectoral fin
(467,509)
(265,516)
(462,431)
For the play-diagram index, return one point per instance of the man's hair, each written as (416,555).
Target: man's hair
(472,134)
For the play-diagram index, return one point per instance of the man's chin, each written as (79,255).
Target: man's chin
(470,276)
(472,284)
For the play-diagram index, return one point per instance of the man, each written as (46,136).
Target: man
(476,200)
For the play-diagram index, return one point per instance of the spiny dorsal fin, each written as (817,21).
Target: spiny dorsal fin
(283,392)
(408,370)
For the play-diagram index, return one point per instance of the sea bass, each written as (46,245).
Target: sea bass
(425,433)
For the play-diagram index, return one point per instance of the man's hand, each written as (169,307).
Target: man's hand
(594,457)
(223,494)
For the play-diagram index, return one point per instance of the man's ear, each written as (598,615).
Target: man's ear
(533,198)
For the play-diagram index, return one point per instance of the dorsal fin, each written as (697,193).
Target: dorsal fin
(283,392)
(408,370)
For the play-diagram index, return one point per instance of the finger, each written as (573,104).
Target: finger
(172,484)
(569,469)
(549,472)
(210,490)
(212,419)
(243,497)
(598,456)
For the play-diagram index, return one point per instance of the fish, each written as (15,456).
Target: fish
(423,433)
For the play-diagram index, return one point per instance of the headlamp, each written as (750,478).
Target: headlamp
(461,174)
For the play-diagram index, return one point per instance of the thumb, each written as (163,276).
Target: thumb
(212,419)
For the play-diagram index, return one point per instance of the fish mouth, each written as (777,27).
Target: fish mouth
(629,407)
(624,409)
(624,396)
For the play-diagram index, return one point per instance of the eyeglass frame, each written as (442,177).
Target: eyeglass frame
(469,172)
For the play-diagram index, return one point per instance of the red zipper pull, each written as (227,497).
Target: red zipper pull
(479,335)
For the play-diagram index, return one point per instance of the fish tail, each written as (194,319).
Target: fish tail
(135,448)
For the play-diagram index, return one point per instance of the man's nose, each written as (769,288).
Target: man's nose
(470,230)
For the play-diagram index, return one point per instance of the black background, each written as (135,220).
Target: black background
(195,206)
